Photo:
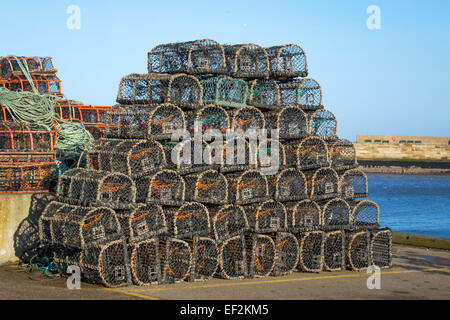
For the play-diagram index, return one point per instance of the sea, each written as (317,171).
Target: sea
(416,204)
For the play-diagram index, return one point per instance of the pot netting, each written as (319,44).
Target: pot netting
(261,255)
(34,65)
(309,95)
(271,154)
(306,154)
(287,253)
(323,184)
(323,123)
(270,216)
(365,214)
(19,137)
(288,185)
(333,251)
(185,158)
(208,117)
(264,94)
(381,248)
(287,61)
(357,250)
(236,155)
(247,61)
(17,176)
(353,184)
(44,84)
(306,216)
(176,259)
(342,155)
(311,251)
(225,91)
(228,221)
(291,122)
(195,57)
(166,187)
(233,258)
(336,213)
(247,187)
(191,219)
(207,187)
(145,262)
(204,258)
(248,118)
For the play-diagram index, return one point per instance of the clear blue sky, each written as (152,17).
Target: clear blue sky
(389,81)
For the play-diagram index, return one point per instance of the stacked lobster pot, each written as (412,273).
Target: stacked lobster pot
(220,161)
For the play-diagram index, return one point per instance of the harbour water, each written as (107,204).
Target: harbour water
(417,204)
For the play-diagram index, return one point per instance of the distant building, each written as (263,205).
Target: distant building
(364,138)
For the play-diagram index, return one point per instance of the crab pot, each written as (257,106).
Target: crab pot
(157,123)
(288,185)
(194,57)
(261,255)
(365,214)
(204,258)
(207,187)
(145,262)
(5,115)
(144,222)
(334,251)
(225,91)
(176,260)
(68,111)
(247,187)
(44,84)
(155,89)
(323,123)
(4,84)
(237,155)
(165,187)
(134,158)
(311,251)
(247,61)
(247,118)
(357,250)
(303,93)
(19,137)
(342,155)
(353,184)
(233,258)
(264,94)
(291,122)
(287,61)
(270,157)
(307,154)
(186,157)
(35,65)
(322,184)
(228,221)
(99,188)
(306,215)
(189,220)
(286,253)
(336,214)
(381,248)
(25,177)
(79,227)
(269,216)
(210,117)
(96,130)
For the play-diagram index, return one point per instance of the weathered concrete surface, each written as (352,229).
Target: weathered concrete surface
(417,273)
(14,208)
(379,151)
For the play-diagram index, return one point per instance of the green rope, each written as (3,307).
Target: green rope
(72,137)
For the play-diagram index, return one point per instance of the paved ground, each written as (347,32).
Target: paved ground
(416,274)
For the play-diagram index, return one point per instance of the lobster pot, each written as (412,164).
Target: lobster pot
(233,258)
(68,111)
(311,251)
(228,221)
(287,253)
(306,215)
(25,177)
(247,187)
(323,184)
(207,187)
(287,61)
(44,84)
(353,184)
(165,187)
(35,66)
(155,89)
(288,185)
(100,188)
(261,255)
(210,117)
(145,262)
(309,95)
(365,214)
(247,61)
(187,157)
(342,155)
(134,158)
(247,118)
(19,137)
(81,227)
(45,221)
(291,122)
(237,155)
(5,115)
(357,250)
(323,123)
(270,216)
(194,57)
(158,123)
(336,213)
(381,248)
(271,156)
(264,94)
(143,222)
(205,256)
(307,154)
(176,260)
(4,84)
(225,91)
(333,251)
(191,219)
